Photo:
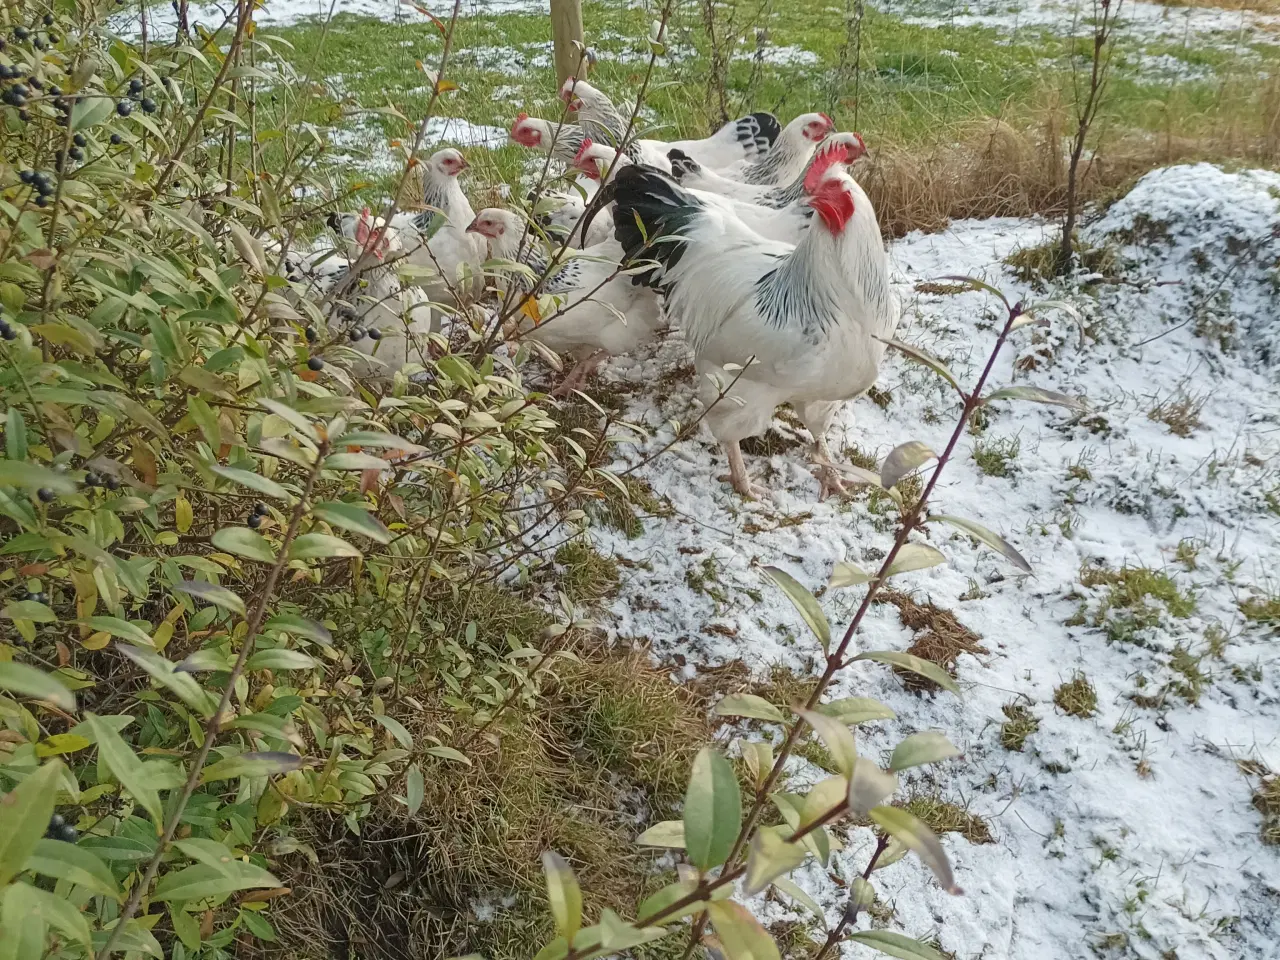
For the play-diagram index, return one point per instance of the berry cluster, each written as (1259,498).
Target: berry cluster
(92,479)
(255,518)
(59,829)
(41,183)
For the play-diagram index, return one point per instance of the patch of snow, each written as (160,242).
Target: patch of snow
(789,56)
(1135,821)
(1166,68)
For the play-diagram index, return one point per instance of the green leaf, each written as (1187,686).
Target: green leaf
(749,705)
(905,661)
(244,542)
(563,893)
(30,909)
(898,823)
(758,757)
(793,890)
(712,810)
(845,574)
(301,627)
(914,556)
(76,864)
(24,817)
(89,111)
(292,417)
(1036,395)
(182,683)
(254,481)
(668,833)
(371,438)
(415,789)
(771,857)
(869,786)
(280,659)
(212,593)
(836,737)
(791,806)
(125,766)
(975,284)
(185,926)
(396,729)
(310,546)
(448,753)
(927,359)
(15,435)
(855,710)
(922,748)
(134,940)
(740,933)
(265,764)
(28,681)
(896,945)
(902,460)
(31,610)
(118,848)
(805,605)
(203,881)
(654,905)
(119,628)
(355,461)
(203,850)
(992,540)
(353,517)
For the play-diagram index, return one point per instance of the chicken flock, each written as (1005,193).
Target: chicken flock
(755,242)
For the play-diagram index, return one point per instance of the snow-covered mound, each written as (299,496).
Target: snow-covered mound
(1127,831)
(1211,239)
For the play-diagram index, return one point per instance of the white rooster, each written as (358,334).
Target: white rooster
(747,138)
(597,314)
(803,321)
(748,180)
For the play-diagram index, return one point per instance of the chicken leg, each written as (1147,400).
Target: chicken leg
(580,373)
(738,471)
(817,418)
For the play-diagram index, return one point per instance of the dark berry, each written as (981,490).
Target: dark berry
(79,140)
(68,834)
(21,33)
(136,85)
(75,153)
(312,336)
(357,333)
(8,332)
(42,201)
(56,822)
(6,72)
(24,116)
(46,495)
(375,334)
(148,105)
(91,479)
(260,509)
(55,91)
(54,38)
(48,20)
(315,363)
(116,139)
(124,108)
(21,89)
(112,483)
(36,83)
(27,176)
(254,521)
(39,43)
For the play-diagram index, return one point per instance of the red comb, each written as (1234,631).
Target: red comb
(586,145)
(830,122)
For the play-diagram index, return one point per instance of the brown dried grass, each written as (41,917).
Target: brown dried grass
(940,637)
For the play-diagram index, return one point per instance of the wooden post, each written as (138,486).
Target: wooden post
(566,28)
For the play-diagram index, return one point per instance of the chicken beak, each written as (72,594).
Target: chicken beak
(463,165)
(473,226)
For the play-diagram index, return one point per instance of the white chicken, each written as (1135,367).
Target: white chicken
(597,314)
(593,162)
(561,140)
(436,241)
(804,322)
(748,180)
(380,319)
(748,138)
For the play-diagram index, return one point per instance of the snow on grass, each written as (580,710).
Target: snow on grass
(1128,827)
(1140,20)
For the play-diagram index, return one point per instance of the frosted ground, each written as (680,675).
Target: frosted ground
(1127,833)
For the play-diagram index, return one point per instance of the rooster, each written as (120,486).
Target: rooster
(747,138)
(560,140)
(598,314)
(746,181)
(806,323)
(689,173)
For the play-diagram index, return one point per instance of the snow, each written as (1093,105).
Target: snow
(1135,822)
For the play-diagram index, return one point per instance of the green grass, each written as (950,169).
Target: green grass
(918,83)
(1076,697)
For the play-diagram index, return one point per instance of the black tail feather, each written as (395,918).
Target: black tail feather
(767,131)
(682,165)
(651,206)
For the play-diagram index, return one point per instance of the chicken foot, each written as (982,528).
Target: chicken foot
(580,373)
(817,417)
(738,471)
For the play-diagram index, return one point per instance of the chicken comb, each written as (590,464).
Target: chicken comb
(841,148)
(582,150)
(830,123)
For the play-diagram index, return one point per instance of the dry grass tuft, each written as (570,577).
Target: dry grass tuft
(607,751)
(1266,800)
(1180,413)
(1076,697)
(588,574)
(1021,723)
(769,444)
(940,637)
(943,817)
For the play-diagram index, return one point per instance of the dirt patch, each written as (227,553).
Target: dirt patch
(940,637)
